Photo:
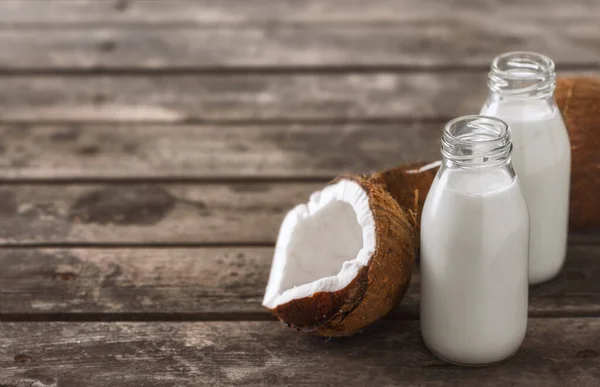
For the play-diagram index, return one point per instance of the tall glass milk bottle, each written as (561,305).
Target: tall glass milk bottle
(521,93)
(474,247)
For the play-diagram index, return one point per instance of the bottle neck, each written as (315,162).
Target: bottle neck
(522,76)
(513,110)
(547,100)
(476,142)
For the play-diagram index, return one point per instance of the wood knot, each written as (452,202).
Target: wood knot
(124,205)
(21,358)
(88,150)
(99,99)
(65,276)
(121,5)
(107,45)
(587,354)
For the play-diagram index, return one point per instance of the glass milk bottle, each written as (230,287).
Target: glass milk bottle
(521,93)
(474,247)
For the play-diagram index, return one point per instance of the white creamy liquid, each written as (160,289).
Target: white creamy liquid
(474,256)
(542,159)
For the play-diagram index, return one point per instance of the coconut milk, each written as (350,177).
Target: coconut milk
(474,256)
(542,160)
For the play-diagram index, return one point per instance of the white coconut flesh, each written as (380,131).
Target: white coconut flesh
(322,244)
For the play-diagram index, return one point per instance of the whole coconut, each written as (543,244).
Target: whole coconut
(579,101)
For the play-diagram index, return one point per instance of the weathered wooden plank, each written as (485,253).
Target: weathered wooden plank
(211,151)
(556,352)
(235,12)
(155,214)
(197,282)
(456,41)
(172,98)
(249,97)
(198,214)
(212,283)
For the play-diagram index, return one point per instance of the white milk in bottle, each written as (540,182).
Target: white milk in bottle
(521,93)
(474,247)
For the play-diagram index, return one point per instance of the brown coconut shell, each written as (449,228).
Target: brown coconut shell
(378,287)
(408,189)
(579,101)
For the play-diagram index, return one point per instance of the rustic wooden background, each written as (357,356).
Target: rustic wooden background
(149,150)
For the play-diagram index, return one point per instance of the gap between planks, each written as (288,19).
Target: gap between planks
(224,70)
(192,121)
(591,238)
(210,317)
(145,317)
(158,180)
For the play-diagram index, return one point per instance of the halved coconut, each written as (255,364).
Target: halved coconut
(342,261)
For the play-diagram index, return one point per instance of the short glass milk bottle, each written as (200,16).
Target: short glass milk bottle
(521,93)
(474,247)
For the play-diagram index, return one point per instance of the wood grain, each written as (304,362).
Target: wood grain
(287,151)
(207,35)
(421,43)
(147,213)
(211,283)
(234,98)
(556,352)
(184,214)
(41,13)
(293,91)
(88,34)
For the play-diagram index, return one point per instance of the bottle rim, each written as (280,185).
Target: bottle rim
(476,140)
(523,75)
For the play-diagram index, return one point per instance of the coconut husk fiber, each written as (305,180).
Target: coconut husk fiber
(377,288)
(408,186)
(579,101)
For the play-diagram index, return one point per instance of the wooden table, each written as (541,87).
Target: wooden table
(149,150)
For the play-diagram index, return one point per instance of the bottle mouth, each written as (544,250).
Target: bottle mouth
(476,141)
(522,74)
